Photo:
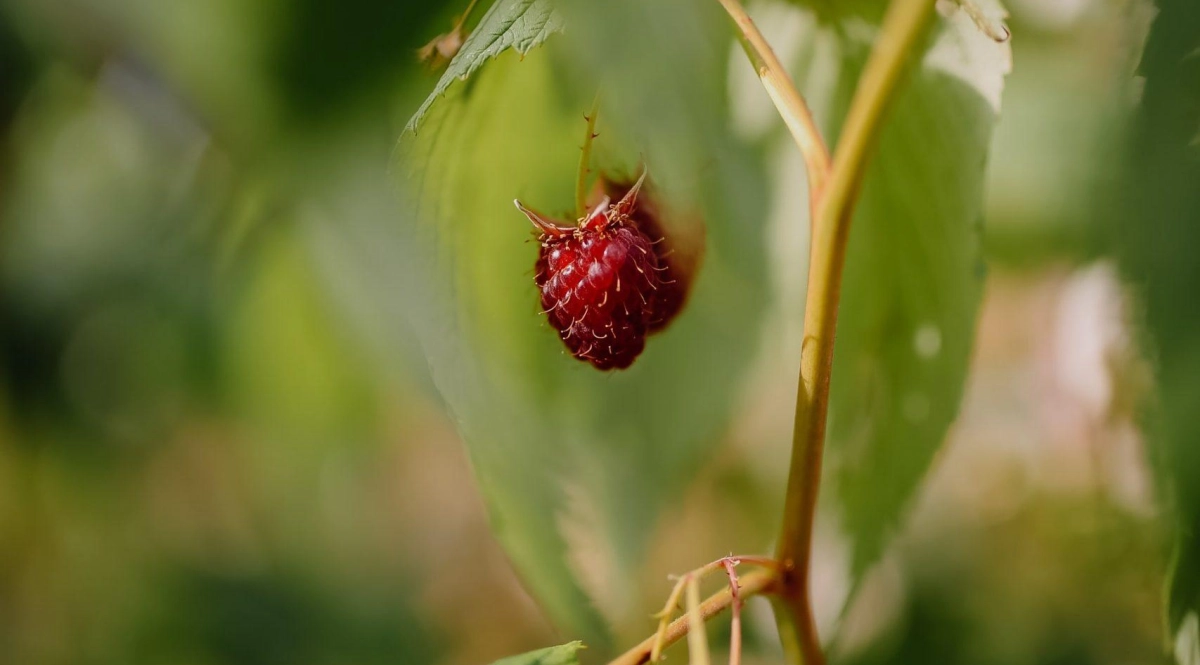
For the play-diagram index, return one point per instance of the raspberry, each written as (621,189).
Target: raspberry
(600,282)
(672,293)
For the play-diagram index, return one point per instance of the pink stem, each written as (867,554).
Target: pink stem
(735,624)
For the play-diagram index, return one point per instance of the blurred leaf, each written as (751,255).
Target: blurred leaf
(1183,579)
(20,65)
(285,362)
(104,274)
(477,318)
(563,654)
(279,618)
(330,53)
(574,464)
(509,24)
(1157,232)
(913,280)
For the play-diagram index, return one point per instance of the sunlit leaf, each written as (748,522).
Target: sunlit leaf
(563,654)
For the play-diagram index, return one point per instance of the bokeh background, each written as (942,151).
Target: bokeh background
(205,461)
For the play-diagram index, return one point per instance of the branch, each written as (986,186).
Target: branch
(902,27)
(788,101)
(756,582)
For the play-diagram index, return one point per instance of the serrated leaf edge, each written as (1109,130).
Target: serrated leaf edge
(501,28)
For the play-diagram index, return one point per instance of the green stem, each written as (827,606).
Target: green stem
(783,93)
(697,640)
(585,158)
(902,28)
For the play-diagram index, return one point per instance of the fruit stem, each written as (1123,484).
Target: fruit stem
(585,158)
(462,19)
(903,26)
(787,99)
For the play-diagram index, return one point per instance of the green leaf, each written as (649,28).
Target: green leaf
(574,465)
(912,281)
(472,305)
(519,25)
(563,654)
(1157,231)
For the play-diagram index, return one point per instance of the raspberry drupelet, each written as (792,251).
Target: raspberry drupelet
(675,275)
(599,281)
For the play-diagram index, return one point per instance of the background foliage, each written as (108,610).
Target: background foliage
(271,382)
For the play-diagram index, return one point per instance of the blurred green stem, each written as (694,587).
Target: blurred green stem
(787,99)
(903,26)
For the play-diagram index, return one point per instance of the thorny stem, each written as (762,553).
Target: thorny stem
(664,616)
(585,158)
(735,623)
(753,583)
(787,99)
(902,27)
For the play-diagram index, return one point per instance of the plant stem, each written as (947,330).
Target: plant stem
(753,583)
(735,623)
(462,20)
(697,640)
(788,101)
(902,27)
(585,158)
(664,617)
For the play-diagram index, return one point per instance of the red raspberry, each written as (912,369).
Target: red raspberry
(675,269)
(599,282)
